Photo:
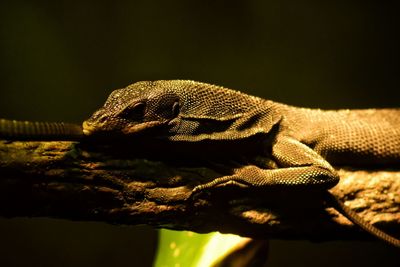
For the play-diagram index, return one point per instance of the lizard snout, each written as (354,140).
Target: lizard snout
(87,128)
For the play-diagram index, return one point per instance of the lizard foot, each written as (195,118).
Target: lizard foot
(231,181)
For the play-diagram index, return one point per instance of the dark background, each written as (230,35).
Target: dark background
(60,59)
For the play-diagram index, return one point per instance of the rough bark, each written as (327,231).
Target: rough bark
(59,179)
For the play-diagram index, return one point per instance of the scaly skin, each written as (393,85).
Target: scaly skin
(301,143)
(39,131)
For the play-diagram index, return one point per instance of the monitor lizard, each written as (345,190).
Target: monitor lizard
(297,147)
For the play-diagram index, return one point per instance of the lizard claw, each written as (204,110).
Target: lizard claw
(195,193)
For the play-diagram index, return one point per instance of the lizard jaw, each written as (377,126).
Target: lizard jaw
(90,129)
(137,128)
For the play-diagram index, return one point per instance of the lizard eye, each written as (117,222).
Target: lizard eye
(103,119)
(135,112)
(175,109)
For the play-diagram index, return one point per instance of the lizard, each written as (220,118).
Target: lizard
(299,146)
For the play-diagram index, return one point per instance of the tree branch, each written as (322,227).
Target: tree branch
(59,179)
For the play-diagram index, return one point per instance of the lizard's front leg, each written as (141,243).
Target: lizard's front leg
(298,165)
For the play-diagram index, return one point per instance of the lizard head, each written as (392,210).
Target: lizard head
(180,111)
(134,109)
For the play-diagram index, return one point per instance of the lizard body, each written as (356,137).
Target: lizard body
(192,112)
(299,145)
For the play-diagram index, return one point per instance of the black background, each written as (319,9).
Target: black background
(60,59)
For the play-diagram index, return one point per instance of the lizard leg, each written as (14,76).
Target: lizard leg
(298,165)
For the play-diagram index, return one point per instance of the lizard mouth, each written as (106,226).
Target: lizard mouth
(129,129)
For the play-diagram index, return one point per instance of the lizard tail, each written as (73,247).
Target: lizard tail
(357,220)
(39,131)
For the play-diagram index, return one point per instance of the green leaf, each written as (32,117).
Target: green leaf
(189,249)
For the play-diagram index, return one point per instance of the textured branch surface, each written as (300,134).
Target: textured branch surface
(58,179)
